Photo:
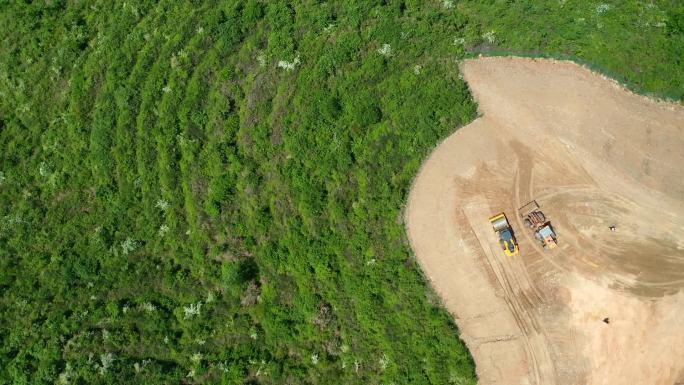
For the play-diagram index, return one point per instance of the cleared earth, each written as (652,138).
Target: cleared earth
(593,155)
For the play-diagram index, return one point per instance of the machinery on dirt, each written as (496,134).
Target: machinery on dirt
(506,238)
(535,219)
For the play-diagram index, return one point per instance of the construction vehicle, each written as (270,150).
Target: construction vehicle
(506,238)
(535,219)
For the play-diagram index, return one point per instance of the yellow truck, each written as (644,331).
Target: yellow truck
(506,238)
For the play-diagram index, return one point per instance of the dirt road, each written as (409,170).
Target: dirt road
(592,154)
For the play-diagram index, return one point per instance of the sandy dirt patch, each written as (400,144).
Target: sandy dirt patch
(592,154)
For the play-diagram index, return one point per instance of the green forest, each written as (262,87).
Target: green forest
(212,191)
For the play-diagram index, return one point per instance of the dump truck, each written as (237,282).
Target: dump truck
(535,219)
(506,238)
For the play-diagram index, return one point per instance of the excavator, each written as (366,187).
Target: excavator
(506,238)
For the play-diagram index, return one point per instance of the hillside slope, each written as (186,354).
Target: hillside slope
(211,192)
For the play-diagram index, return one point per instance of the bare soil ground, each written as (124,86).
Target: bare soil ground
(592,154)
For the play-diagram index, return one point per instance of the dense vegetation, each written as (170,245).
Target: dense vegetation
(640,43)
(211,192)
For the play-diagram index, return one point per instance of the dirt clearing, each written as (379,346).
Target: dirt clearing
(592,155)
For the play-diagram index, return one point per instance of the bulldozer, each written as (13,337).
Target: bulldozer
(535,219)
(506,238)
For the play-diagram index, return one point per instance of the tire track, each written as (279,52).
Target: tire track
(514,294)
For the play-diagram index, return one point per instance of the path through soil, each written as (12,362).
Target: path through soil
(592,155)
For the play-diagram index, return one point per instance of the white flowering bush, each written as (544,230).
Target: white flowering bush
(9,221)
(192,310)
(107,359)
(196,358)
(383,361)
(489,37)
(148,307)
(162,204)
(163,229)
(288,66)
(261,370)
(602,8)
(459,41)
(65,377)
(128,246)
(44,169)
(385,50)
